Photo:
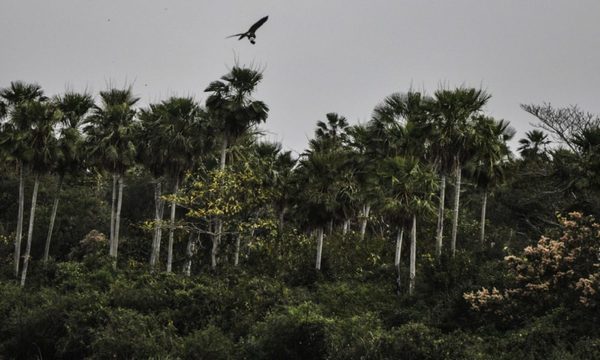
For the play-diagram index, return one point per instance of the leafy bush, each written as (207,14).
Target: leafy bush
(297,332)
(209,343)
(129,334)
(561,270)
(356,337)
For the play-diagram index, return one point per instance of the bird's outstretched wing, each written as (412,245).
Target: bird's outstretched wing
(258,24)
(240,34)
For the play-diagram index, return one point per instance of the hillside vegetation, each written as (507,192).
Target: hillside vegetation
(172,231)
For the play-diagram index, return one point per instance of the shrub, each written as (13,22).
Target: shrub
(209,343)
(297,332)
(561,270)
(131,335)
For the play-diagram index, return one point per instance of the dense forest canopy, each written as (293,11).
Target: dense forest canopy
(416,235)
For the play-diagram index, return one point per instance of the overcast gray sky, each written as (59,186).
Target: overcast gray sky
(319,56)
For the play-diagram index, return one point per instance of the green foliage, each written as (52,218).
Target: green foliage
(209,343)
(128,334)
(541,303)
(295,333)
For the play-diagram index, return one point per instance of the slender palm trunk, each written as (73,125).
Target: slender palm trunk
(158,208)
(251,237)
(440,222)
(330,230)
(215,244)
(113,209)
(319,247)
(236,255)
(52,219)
(456,208)
(483,208)
(413,255)
(189,252)
(223,153)
(219,222)
(399,237)
(345,227)
(397,258)
(365,218)
(115,243)
(30,230)
(19,234)
(172,228)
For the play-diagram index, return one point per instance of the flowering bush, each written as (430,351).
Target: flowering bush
(563,269)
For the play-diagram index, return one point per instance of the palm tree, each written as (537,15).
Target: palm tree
(325,176)
(275,168)
(283,166)
(359,188)
(400,125)
(587,145)
(317,179)
(332,137)
(491,156)
(151,155)
(533,146)
(42,117)
(181,132)
(451,110)
(15,147)
(232,107)
(233,112)
(410,186)
(74,108)
(111,145)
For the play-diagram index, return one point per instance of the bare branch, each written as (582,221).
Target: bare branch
(563,124)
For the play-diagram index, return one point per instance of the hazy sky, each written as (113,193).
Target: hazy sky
(318,56)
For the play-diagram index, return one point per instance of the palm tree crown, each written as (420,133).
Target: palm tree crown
(534,144)
(109,131)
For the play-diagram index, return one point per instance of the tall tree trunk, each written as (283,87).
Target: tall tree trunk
(397,257)
(399,237)
(511,234)
(113,208)
(223,153)
(236,255)
(30,230)
(189,252)
(115,246)
(365,218)
(219,222)
(330,230)
(440,220)
(483,208)
(158,209)
(215,244)
(52,219)
(252,233)
(346,226)
(319,247)
(19,234)
(413,255)
(456,208)
(172,228)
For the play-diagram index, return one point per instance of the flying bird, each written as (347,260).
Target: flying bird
(251,33)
